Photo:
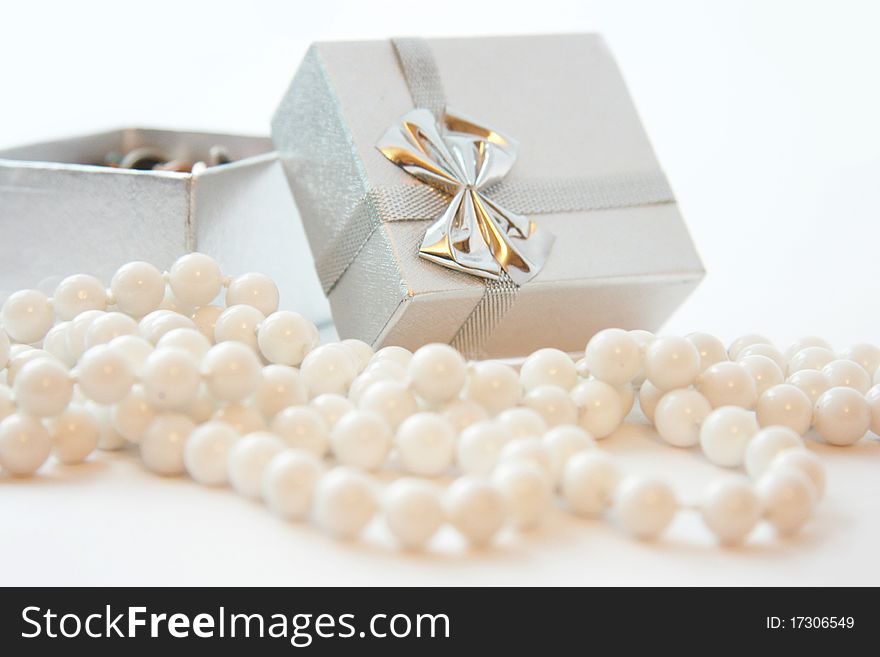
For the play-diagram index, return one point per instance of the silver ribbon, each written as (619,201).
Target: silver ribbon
(419,202)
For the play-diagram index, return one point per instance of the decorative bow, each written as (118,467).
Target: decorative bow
(464,159)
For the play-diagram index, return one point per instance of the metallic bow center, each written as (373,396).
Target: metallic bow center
(475,234)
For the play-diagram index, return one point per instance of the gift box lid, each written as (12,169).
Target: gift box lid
(622,254)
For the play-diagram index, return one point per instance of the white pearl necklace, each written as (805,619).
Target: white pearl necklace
(215,393)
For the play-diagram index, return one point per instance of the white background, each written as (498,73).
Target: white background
(765,117)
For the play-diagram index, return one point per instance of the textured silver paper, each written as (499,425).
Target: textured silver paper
(59,216)
(618,266)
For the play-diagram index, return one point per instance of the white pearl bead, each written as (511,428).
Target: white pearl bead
(803,343)
(74,434)
(171,302)
(613,356)
(202,408)
(562,443)
(649,396)
(345,502)
(522,423)
(163,443)
(765,445)
(764,372)
(553,404)
(841,416)
(644,507)
(361,439)
(7,404)
(188,339)
(248,459)
(437,373)
(873,399)
(527,492)
(5,348)
(785,405)
(811,382)
(476,509)
(493,385)
(807,462)
(589,481)
(108,326)
(205,318)
(728,384)
(627,395)
(413,510)
(78,293)
(390,399)
(644,338)
(170,377)
(20,358)
(548,367)
(138,288)
(55,343)
(243,418)
(678,417)
(108,438)
(848,374)
(479,446)
(232,371)
(328,369)
(767,350)
(77,331)
(745,341)
(27,316)
(600,410)
(810,358)
(788,497)
(672,362)
(280,386)
(104,374)
(360,350)
(361,383)
(425,444)
(134,348)
(866,355)
(196,279)
(43,387)
(710,348)
(463,413)
(24,444)
(132,415)
(286,337)
(253,289)
(239,324)
(289,483)
(155,325)
(386,369)
(303,428)
(393,353)
(17,349)
(725,433)
(531,450)
(331,407)
(730,509)
(206,453)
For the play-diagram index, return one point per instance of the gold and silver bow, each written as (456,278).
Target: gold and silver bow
(464,160)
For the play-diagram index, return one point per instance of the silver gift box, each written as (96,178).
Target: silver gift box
(564,100)
(61,213)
